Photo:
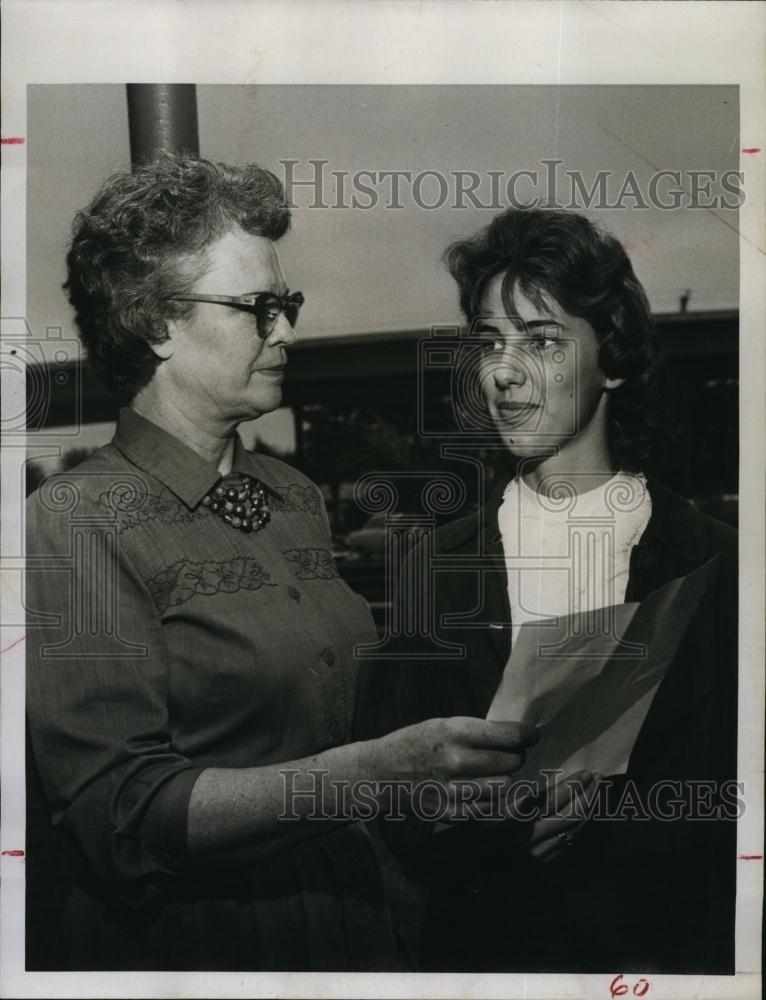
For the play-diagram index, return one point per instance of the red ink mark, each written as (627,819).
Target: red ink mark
(749,857)
(617,988)
(13,140)
(751,149)
(13,644)
(13,854)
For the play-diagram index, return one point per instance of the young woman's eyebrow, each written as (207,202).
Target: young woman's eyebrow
(541,324)
(534,324)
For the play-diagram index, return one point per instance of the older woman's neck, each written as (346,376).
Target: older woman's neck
(212,439)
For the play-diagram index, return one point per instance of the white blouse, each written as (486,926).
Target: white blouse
(569,552)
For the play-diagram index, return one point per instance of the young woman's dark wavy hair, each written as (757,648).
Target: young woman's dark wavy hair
(586,271)
(142,239)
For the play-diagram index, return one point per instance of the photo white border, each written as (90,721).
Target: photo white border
(358,41)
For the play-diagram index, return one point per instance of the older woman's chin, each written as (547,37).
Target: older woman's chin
(265,400)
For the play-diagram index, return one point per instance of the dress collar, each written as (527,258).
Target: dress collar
(168,459)
(670,524)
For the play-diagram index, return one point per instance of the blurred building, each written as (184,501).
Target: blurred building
(359,403)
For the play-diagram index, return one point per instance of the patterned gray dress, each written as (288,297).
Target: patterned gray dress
(161,641)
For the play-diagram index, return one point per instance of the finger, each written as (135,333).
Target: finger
(554,847)
(488,797)
(561,796)
(498,762)
(584,798)
(486,794)
(573,787)
(528,802)
(583,777)
(554,830)
(490,787)
(492,734)
(502,787)
(543,853)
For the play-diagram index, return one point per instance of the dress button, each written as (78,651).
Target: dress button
(294,593)
(336,732)
(328,656)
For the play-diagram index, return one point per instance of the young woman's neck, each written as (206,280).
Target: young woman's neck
(547,477)
(582,464)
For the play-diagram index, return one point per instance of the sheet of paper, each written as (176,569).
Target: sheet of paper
(588,680)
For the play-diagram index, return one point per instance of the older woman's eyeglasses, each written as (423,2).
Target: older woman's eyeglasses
(265,306)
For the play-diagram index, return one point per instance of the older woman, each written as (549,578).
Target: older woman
(191,684)
(572,381)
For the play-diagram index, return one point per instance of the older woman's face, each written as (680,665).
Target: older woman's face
(218,363)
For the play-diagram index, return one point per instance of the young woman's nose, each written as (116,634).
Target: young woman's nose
(509,372)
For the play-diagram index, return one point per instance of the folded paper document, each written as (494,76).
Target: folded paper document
(588,680)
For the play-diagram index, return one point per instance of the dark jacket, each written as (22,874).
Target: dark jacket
(639,894)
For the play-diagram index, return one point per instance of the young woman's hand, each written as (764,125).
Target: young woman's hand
(548,824)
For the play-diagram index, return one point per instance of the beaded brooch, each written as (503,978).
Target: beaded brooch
(240,500)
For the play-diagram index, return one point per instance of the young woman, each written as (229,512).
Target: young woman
(571,377)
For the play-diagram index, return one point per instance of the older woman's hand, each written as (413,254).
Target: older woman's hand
(458,762)
(451,749)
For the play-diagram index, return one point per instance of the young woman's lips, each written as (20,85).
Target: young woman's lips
(511,412)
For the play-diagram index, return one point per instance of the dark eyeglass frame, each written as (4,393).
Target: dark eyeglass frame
(260,303)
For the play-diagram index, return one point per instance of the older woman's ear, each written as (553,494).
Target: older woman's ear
(164,349)
(610,384)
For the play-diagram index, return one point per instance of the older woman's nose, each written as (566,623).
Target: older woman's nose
(283,332)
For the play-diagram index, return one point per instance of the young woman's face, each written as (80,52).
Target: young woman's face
(541,379)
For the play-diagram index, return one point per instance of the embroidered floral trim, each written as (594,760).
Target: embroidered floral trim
(312,564)
(131,509)
(186,579)
(294,498)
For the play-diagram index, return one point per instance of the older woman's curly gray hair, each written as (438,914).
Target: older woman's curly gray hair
(142,239)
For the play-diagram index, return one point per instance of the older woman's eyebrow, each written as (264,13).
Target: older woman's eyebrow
(279,290)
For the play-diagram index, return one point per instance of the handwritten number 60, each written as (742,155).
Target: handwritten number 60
(617,988)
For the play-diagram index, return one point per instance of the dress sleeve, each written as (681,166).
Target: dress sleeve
(97,699)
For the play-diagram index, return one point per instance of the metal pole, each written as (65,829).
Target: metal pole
(162,117)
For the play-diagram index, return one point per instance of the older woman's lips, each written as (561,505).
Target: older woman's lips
(275,371)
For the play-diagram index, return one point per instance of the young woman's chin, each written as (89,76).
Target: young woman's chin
(528,446)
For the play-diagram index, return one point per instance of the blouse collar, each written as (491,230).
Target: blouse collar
(173,463)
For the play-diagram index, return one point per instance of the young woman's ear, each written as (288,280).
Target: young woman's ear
(610,384)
